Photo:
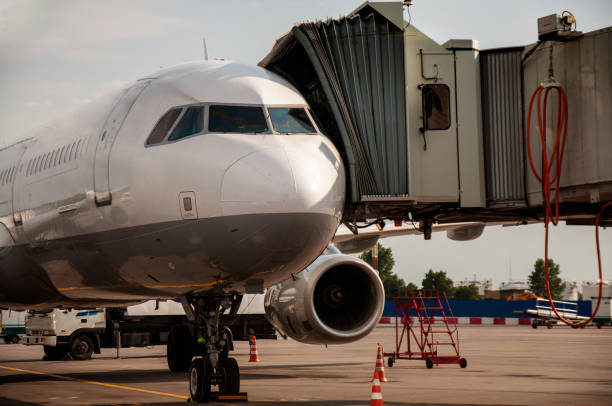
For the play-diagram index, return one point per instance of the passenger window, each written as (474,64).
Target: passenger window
(62,157)
(290,120)
(53,159)
(191,123)
(163,126)
(436,107)
(77,151)
(237,119)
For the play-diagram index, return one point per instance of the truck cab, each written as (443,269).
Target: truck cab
(66,331)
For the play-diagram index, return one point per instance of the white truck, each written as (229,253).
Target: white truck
(590,291)
(82,332)
(12,325)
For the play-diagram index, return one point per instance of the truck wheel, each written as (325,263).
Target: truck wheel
(55,353)
(179,350)
(12,339)
(7,339)
(230,371)
(81,347)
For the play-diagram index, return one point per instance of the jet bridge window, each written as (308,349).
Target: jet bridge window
(163,126)
(192,122)
(237,119)
(436,107)
(290,120)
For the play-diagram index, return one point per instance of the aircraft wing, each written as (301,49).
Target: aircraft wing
(349,243)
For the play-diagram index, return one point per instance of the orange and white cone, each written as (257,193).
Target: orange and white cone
(376,396)
(253,356)
(380,365)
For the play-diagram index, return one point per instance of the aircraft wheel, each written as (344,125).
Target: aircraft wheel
(81,347)
(429,363)
(463,363)
(55,353)
(179,349)
(390,362)
(199,380)
(230,373)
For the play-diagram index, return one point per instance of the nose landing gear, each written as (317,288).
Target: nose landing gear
(211,365)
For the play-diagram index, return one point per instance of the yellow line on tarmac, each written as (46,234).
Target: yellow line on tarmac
(108,385)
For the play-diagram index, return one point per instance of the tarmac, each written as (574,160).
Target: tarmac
(507,365)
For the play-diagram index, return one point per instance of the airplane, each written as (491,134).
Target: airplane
(200,182)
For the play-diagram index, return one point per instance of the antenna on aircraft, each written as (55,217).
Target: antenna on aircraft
(205,49)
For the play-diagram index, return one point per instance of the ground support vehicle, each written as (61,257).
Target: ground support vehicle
(13,326)
(543,314)
(79,333)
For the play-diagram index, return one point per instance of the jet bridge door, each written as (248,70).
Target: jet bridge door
(107,138)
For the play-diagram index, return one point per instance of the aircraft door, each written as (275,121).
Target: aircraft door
(10,170)
(107,139)
(6,241)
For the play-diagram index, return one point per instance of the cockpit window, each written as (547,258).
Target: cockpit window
(163,126)
(288,120)
(236,119)
(191,123)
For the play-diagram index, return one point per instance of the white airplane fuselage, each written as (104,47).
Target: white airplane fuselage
(90,213)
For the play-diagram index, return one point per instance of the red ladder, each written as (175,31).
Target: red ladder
(433,340)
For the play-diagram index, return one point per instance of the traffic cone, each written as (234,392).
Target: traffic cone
(253,356)
(380,365)
(376,396)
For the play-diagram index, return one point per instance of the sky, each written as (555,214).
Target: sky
(57,55)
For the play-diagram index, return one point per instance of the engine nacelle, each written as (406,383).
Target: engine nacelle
(337,299)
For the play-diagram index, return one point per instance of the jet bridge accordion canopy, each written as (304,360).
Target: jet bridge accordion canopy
(351,72)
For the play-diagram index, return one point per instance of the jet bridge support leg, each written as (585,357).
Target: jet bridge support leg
(211,364)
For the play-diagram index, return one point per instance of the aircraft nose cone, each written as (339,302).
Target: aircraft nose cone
(285,180)
(261,182)
(281,207)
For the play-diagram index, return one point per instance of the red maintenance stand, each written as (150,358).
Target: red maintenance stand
(432,339)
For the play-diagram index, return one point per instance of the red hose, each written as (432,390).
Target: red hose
(551,174)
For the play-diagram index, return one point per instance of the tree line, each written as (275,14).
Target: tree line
(440,281)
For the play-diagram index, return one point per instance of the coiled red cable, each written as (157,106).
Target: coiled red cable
(551,174)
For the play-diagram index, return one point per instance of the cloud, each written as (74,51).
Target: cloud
(80,30)
(44,102)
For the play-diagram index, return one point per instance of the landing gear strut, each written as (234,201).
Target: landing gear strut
(211,365)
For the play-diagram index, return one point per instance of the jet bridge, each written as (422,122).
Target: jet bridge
(437,132)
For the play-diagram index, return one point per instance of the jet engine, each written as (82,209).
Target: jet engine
(337,299)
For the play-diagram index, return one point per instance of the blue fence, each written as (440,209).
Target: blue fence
(489,308)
